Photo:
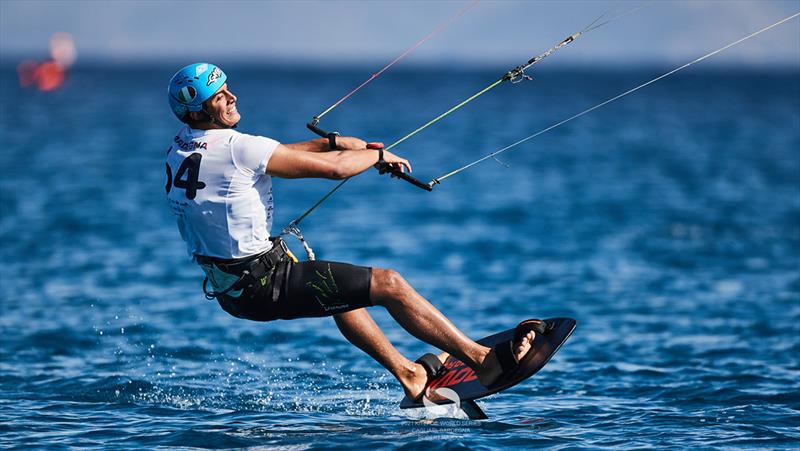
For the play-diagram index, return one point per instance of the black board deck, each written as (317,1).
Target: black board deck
(464,382)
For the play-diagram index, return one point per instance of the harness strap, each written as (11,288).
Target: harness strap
(280,274)
(255,270)
(235,285)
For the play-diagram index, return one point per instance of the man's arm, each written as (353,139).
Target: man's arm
(322,145)
(314,145)
(288,163)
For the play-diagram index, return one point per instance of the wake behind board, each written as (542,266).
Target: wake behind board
(462,380)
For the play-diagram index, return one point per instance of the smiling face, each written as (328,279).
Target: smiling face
(222,108)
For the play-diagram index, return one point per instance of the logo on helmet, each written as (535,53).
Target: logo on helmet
(200,69)
(187,94)
(214,76)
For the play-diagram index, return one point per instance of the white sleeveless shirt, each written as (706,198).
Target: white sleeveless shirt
(218,188)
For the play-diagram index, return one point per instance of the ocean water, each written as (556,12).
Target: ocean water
(667,224)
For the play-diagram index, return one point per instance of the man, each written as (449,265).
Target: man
(219,185)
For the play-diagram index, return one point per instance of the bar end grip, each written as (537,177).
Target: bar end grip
(411,179)
(330,135)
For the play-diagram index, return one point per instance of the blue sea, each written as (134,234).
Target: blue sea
(667,224)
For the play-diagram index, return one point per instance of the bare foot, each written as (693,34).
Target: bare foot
(414,381)
(415,378)
(491,366)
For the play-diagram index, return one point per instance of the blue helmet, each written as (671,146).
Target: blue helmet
(193,85)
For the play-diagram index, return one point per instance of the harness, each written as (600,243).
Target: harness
(271,266)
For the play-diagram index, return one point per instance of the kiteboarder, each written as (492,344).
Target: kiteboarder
(219,186)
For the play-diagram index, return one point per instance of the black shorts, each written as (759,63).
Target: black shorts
(310,289)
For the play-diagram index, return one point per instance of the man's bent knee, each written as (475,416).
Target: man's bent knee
(387,286)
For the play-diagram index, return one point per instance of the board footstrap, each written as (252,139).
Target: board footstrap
(433,366)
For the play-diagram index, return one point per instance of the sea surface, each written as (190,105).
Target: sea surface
(667,224)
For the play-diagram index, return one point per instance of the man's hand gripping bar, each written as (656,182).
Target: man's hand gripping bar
(395,172)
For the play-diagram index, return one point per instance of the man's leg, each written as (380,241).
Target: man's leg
(319,287)
(422,320)
(360,329)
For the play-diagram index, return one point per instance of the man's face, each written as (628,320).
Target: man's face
(222,105)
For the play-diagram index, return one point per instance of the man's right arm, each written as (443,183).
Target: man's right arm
(333,164)
(323,145)
(313,145)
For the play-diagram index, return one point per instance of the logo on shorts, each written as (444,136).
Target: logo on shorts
(214,76)
(326,292)
(187,94)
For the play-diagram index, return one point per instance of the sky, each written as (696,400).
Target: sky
(350,32)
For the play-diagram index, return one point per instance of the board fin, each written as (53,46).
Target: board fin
(473,411)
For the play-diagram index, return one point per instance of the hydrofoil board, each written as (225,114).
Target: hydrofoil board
(463,381)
